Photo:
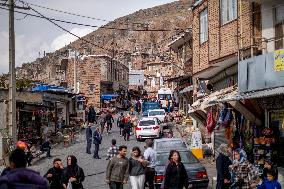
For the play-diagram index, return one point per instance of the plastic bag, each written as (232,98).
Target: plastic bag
(69,185)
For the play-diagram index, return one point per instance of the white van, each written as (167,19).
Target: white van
(163,94)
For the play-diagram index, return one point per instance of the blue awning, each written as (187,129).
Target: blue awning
(42,88)
(109,96)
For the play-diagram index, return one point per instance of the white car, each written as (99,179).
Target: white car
(158,113)
(149,128)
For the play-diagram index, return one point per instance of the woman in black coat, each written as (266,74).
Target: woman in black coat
(176,175)
(73,173)
(222,166)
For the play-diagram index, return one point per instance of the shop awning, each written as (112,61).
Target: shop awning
(109,96)
(211,99)
(235,96)
(186,89)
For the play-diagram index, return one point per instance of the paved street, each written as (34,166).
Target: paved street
(86,161)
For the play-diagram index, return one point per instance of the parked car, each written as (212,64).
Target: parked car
(197,175)
(169,144)
(149,128)
(158,113)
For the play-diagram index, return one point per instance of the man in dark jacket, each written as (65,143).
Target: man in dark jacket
(20,177)
(89,134)
(222,166)
(109,121)
(54,175)
(120,123)
(92,115)
(97,141)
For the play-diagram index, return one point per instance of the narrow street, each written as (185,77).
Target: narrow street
(94,168)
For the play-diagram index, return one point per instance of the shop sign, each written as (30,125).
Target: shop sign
(279,60)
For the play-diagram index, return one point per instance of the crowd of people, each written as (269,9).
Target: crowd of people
(234,171)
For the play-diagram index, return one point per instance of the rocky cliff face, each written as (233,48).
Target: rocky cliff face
(124,42)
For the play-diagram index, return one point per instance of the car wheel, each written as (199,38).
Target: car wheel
(138,139)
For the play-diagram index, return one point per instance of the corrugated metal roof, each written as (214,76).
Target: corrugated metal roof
(254,94)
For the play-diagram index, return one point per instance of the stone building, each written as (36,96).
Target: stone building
(223,32)
(97,75)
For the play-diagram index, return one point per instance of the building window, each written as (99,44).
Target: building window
(228,10)
(279,27)
(203,26)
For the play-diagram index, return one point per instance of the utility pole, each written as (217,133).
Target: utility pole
(12,76)
(75,74)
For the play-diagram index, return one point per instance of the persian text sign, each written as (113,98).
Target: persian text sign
(279,60)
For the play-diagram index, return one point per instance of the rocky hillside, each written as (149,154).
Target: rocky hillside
(137,38)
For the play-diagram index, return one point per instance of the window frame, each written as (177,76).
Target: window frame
(228,13)
(205,17)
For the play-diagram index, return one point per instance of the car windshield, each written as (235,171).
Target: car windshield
(173,144)
(186,158)
(147,123)
(164,96)
(155,113)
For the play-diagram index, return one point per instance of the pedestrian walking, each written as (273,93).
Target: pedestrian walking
(120,123)
(150,156)
(102,121)
(127,128)
(73,174)
(45,147)
(113,150)
(89,134)
(176,175)
(92,114)
(117,172)
(137,165)
(54,175)
(222,166)
(14,177)
(97,140)
(109,121)
(243,171)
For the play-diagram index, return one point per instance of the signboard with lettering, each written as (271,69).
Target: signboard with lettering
(279,60)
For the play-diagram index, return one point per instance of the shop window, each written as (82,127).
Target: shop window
(203,26)
(228,10)
(279,27)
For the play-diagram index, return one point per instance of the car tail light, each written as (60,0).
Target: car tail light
(138,128)
(159,178)
(201,175)
(156,127)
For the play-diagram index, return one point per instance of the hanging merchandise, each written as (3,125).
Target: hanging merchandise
(228,118)
(222,116)
(210,123)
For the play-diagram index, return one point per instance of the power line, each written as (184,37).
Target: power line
(94,26)
(64,29)
(69,13)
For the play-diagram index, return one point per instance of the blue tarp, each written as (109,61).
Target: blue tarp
(42,88)
(109,96)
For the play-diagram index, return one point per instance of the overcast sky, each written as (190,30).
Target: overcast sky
(36,35)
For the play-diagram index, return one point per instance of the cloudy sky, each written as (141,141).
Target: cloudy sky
(36,35)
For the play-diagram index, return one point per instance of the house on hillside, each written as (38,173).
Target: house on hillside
(98,75)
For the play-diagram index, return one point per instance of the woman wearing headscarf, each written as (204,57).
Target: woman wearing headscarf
(73,174)
(176,175)
(222,166)
(243,171)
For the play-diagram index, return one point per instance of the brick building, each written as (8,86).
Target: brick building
(97,75)
(223,30)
